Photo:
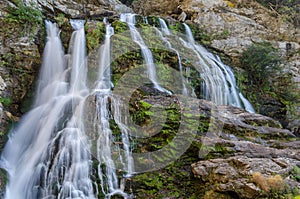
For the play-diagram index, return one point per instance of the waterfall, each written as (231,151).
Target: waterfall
(46,155)
(147,54)
(78,61)
(108,106)
(165,31)
(220,85)
(52,79)
(164,27)
(65,147)
(104,81)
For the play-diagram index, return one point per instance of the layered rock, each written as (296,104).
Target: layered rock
(245,152)
(79,8)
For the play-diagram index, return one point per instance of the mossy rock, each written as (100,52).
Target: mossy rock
(119,26)
(95,34)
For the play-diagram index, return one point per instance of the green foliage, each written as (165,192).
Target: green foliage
(6,101)
(204,38)
(94,35)
(261,61)
(296,173)
(61,19)
(28,17)
(269,89)
(119,26)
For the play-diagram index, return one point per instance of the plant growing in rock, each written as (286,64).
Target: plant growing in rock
(261,61)
(273,186)
(95,34)
(295,173)
(271,90)
(61,19)
(28,17)
(289,9)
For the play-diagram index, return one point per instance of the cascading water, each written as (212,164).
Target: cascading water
(165,31)
(105,101)
(220,85)
(45,156)
(52,151)
(48,154)
(77,62)
(52,77)
(147,54)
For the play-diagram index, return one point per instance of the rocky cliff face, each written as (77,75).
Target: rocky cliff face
(250,149)
(232,27)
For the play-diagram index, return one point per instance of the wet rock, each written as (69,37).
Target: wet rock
(182,17)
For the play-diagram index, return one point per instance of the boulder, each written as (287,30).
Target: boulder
(246,177)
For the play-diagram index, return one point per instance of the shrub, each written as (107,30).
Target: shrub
(261,61)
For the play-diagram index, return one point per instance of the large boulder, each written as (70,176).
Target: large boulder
(246,177)
(245,155)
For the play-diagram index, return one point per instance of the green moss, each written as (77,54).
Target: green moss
(28,17)
(6,101)
(119,26)
(61,20)
(142,114)
(153,21)
(174,181)
(95,34)
(177,27)
(201,36)
(295,173)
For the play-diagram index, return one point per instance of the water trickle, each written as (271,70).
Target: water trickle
(165,30)
(164,27)
(104,81)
